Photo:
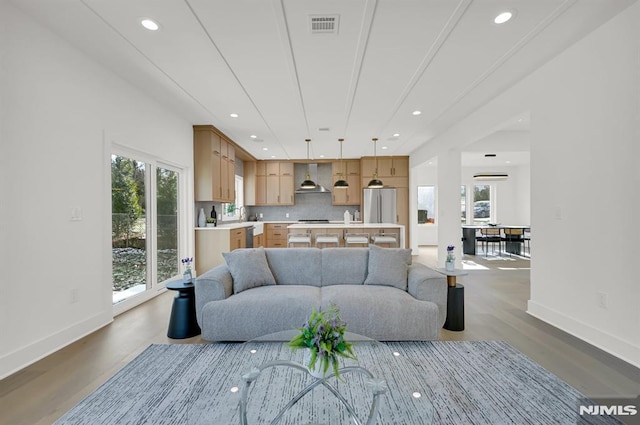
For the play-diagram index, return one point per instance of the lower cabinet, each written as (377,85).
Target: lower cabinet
(276,235)
(258,240)
(211,243)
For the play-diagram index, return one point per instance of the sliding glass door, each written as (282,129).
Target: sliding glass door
(144,225)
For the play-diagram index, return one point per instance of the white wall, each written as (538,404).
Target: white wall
(585,127)
(56,105)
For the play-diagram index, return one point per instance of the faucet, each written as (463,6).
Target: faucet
(243,213)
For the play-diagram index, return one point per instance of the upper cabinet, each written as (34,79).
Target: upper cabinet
(388,166)
(274,183)
(350,171)
(214,165)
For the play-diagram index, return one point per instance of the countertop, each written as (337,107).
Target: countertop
(341,225)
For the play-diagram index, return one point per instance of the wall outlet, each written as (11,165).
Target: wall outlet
(602,299)
(287,215)
(75,214)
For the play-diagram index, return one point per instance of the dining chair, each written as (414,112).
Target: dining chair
(491,236)
(513,238)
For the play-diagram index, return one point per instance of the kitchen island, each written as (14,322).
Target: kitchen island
(341,229)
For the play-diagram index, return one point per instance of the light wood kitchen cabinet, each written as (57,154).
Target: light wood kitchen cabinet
(258,240)
(274,183)
(276,235)
(214,165)
(237,238)
(350,170)
(211,243)
(388,166)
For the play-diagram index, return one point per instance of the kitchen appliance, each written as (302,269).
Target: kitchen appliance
(249,236)
(380,205)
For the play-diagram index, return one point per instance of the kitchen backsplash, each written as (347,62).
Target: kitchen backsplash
(308,206)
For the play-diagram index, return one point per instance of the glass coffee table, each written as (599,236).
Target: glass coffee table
(381,387)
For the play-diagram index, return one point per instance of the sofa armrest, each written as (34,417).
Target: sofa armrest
(426,284)
(215,285)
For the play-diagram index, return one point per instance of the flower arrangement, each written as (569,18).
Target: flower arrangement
(450,256)
(187,276)
(323,335)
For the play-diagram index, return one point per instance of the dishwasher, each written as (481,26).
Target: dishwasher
(249,236)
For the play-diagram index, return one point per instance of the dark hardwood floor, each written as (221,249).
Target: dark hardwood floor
(496,294)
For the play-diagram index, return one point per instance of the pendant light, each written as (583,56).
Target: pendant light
(308,183)
(341,183)
(375,183)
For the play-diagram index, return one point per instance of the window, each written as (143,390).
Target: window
(167,228)
(232,211)
(426,204)
(481,204)
(144,196)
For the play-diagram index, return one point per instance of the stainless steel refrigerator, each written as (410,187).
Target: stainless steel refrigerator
(380,206)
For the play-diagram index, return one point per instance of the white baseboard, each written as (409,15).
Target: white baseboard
(613,345)
(25,356)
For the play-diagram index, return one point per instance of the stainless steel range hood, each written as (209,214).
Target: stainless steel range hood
(300,173)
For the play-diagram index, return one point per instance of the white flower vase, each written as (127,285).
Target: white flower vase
(316,372)
(450,266)
(187,276)
(201,218)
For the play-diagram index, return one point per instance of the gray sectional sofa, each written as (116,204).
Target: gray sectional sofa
(379,292)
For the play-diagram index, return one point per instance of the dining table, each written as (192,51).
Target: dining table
(513,245)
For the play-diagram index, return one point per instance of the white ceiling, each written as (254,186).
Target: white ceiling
(257,58)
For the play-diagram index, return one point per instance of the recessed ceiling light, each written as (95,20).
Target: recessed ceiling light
(273,156)
(150,24)
(253,136)
(234,115)
(416,112)
(265,149)
(503,17)
(507,162)
(384,148)
(321,156)
(396,134)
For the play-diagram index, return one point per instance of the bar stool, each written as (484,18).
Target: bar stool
(385,238)
(356,239)
(294,238)
(327,238)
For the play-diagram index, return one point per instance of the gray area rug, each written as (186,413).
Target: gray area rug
(467,382)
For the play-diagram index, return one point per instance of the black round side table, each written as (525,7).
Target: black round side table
(183,323)
(455,308)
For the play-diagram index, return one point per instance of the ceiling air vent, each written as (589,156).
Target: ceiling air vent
(324,24)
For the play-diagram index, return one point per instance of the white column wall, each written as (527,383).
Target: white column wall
(448,198)
(56,106)
(585,127)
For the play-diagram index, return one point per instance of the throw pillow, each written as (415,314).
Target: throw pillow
(388,266)
(249,268)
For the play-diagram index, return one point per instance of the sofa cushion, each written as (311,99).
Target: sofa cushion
(295,266)
(344,266)
(249,268)
(383,313)
(258,312)
(388,266)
